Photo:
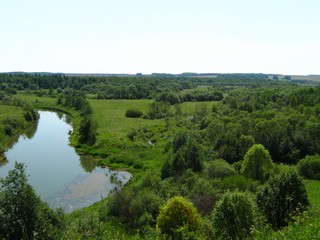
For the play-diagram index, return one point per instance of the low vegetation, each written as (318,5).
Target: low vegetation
(212,157)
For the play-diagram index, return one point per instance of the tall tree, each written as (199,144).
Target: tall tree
(257,163)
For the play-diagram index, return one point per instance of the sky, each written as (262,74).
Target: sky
(163,36)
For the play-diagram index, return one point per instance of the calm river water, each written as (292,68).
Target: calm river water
(60,176)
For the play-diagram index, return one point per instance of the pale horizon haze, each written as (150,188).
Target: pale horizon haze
(131,36)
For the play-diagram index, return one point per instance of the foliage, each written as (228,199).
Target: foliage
(87,131)
(133,113)
(176,213)
(22,212)
(236,182)
(257,163)
(159,110)
(219,168)
(189,156)
(309,167)
(283,197)
(234,216)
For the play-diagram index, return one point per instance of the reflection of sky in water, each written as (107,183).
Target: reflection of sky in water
(52,164)
(88,188)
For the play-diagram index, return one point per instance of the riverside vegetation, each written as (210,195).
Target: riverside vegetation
(223,157)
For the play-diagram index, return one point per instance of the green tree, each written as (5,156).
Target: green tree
(234,216)
(257,163)
(283,197)
(87,131)
(176,214)
(22,212)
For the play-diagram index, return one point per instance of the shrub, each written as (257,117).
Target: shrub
(176,214)
(219,169)
(283,197)
(133,113)
(309,167)
(234,216)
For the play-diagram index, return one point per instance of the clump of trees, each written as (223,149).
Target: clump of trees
(87,126)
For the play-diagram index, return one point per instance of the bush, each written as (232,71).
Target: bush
(283,197)
(309,167)
(234,216)
(178,213)
(219,169)
(133,113)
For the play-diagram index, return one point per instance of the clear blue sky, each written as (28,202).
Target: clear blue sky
(130,36)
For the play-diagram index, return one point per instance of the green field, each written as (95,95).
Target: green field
(7,111)
(110,116)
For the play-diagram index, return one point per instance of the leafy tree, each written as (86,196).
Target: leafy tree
(188,156)
(22,212)
(87,131)
(179,140)
(176,213)
(159,110)
(234,216)
(283,197)
(257,163)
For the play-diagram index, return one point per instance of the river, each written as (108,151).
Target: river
(58,174)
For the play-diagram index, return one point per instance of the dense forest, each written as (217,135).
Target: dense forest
(223,157)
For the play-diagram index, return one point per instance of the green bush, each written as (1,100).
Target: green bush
(234,216)
(283,197)
(133,113)
(178,213)
(219,169)
(309,167)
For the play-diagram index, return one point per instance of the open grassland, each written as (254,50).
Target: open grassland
(114,145)
(190,108)
(110,116)
(8,111)
(37,101)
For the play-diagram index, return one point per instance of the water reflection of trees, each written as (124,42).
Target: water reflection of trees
(88,163)
(3,160)
(30,132)
(65,117)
